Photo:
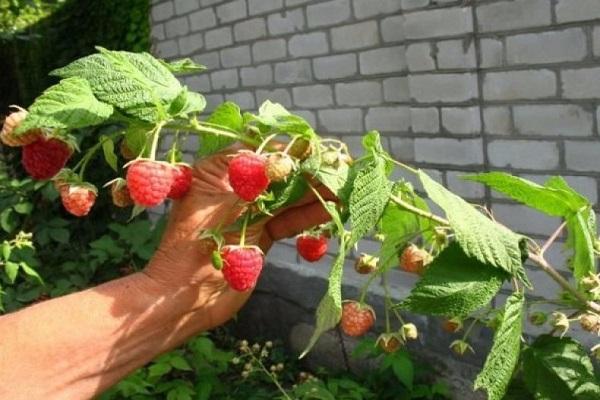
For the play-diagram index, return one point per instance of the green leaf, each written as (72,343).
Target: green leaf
(372,141)
(6,250)
(136,83)
(454,285)
(404,370)
(548,200)
(11,269)
(559,369)
(504,355)
(329,310)
(69,104)
(24,208)
(8,220)
(479,236)
(288,192)
(31,272)
(277,118)
(581,241)
(108,148)
(369,197)
(335,178)
(227,115)
(180,363)
(183,66)
(159,369)
(187,103)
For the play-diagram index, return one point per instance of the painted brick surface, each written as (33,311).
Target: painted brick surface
(453,86)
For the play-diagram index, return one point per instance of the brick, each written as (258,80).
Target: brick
(497,120)
(177,27)
(425,120)
(342,120)
(236,56)
(396,89)
(224,79)
(413,4)
(251,29)
(328,13)
(577,10)
(531,84)
(281,96)
(367,9)
(553,120)
(158,32)
(596,39)
(190,44)
(203,19)
(461,120)
(358,93)
(433,88)
(388,119)
(212,101)
(448,151)
(524,220)
(309,116)
(267,50)
(456,54)
(261,75)
(293,72)
(292,3)
(438,23)
(167,49)
(492,53)
(355,36)
(199,83)
(206,3)
(163,11)
(308,44)
(525,154)
(219,37)
(402,148)
(419,57)
(244,99)
(210,60)
(262,6)
(392,29)
(514,14)
(581,83)
(462,187)
(381,61)
(332,67)
(231,11)
(546,47)
(288,22)
(583,156)
(314,96)
(185,6)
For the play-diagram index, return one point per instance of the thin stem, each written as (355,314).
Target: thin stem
(264,143)
(402,165)
(552,238)
(271,376)
(199,127)
(418,211)
(387,304)
(363,291)
(469,329)
(290,144)
(541,262)
(244,227)
(156,133)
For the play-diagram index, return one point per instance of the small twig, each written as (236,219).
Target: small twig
(541,262)
(418,211)
(552,238)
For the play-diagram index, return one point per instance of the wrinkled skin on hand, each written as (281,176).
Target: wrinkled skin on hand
(179,263)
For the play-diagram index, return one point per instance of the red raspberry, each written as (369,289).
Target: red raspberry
(241,266)
(248,175)
(44,158)
(182,181)
(78,200)
(149,182)
(357,319)
(414,260)
(312,248)
(11,123)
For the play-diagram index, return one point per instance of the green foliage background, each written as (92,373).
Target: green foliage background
(37,36)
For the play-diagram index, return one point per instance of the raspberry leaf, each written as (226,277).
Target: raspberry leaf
(108,148)
(479,236)
(454,285)
(183,66)
(288,192)
(187,103)
(275,118)
(67,105)
(136,83)
(369,197)
(227,115)
(504,355)
(582,233)
(559,368)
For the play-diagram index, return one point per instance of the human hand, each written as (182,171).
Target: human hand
(179,262)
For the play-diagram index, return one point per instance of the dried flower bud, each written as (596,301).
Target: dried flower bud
(590,322)
(561,322)
(452,325)
(365,264)
(389,342)
(460,347)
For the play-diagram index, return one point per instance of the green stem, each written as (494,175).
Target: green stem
(469,329)
(402,165)
(388,304)
(244,227)
(155,138)
(198,127)
(418,211)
